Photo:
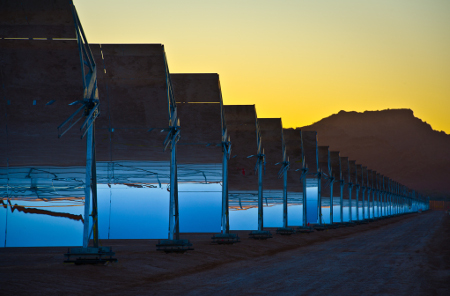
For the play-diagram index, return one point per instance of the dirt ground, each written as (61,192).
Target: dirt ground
(405,255)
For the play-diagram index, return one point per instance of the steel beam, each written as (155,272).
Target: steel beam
(305,220)
(260,191)
(285,169)
(88,187)
(342,201)
(331,201)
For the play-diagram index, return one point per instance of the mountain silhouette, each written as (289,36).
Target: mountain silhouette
(393,142)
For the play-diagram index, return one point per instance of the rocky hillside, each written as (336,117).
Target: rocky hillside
(393,142)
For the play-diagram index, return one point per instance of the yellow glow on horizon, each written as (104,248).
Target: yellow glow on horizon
(299,60)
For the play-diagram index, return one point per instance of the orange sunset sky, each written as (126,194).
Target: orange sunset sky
(300,60)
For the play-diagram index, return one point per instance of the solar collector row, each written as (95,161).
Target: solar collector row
(134,93)
(132,86)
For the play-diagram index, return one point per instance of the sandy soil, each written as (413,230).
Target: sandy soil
(406,255)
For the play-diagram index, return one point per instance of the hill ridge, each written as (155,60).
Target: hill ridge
(393,142)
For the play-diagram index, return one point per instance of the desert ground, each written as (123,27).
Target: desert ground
(403,255)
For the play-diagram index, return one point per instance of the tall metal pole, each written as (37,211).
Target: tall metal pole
(319,198)
(378,202)
(88,185)
(357,202)
(331,200)
(397,199)
(94,189)
(172,214)
(285,200)
(342,200)
(350,186)
(374,191)
(363,204)
(226,151)
(388,197)
(380,198)
(260,192)
(225,211)
(177,214)
(391,193)
(305,220)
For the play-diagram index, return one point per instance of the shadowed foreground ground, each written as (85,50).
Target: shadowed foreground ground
(406,255)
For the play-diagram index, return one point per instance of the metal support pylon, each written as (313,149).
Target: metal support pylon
(350,187)
(173,243)
(260,166)
(285,195)
(285,165)
(226,154)
(319,197)
(226,151)
(173,203)
(89,110)
(357,201)
(305,211)
(260,163)
(225,237)
(377,200)
(171,141)
(90,192)
(331,199)
(363,193)
(341,201)
(260,191)
(374,193)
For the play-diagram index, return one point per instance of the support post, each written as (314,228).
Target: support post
(363,204)
(319,198)
(177,213)
(305,220)
(285,230)
(357,202)
(260,192)
(331,201)
(285,200)
(172,203)
(350,186)
(225,210)
(88,186)
(94,189)
(378,203)
(374,192)
(342,201)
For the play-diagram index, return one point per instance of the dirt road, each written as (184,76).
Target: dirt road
(407,255)
(391,260)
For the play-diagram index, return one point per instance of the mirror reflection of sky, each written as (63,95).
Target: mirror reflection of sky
(38,213)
